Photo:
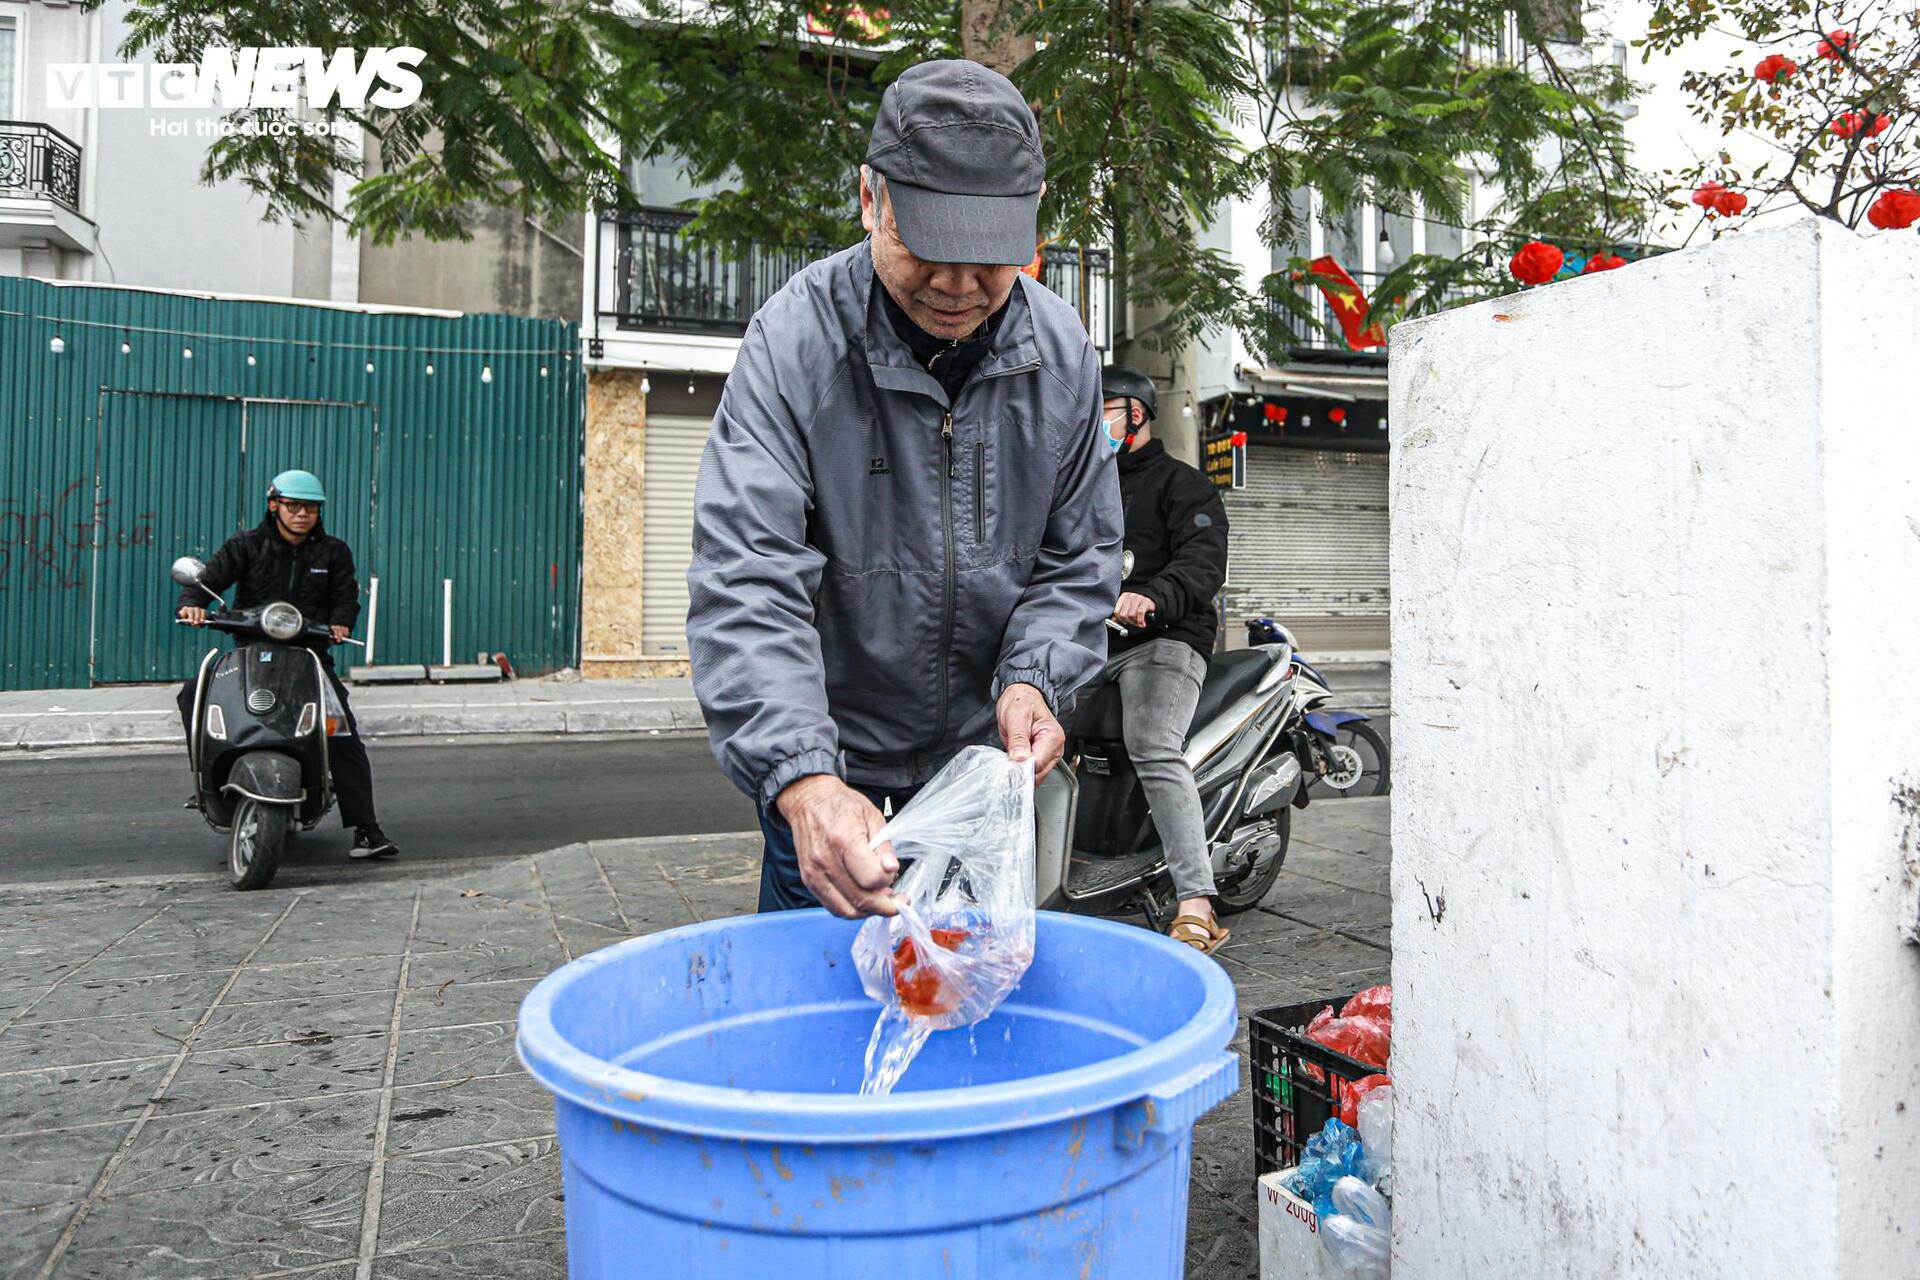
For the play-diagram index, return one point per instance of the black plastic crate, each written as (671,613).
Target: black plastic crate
(1289,1105)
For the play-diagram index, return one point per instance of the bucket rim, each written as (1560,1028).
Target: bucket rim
(755,1115)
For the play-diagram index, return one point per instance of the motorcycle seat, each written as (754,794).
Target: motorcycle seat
(1230,677)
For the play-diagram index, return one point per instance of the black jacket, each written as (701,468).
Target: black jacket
(316,577)
(1177,532)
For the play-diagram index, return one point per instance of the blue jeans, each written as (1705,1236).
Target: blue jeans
(781,888)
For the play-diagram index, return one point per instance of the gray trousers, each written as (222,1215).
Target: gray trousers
(1159,687)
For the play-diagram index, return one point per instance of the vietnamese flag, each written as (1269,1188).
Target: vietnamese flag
(1348,302)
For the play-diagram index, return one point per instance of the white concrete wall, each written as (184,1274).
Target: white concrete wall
(1656,671)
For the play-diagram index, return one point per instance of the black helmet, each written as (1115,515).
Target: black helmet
(1117,380)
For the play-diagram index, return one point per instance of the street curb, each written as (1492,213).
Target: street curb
(49,734)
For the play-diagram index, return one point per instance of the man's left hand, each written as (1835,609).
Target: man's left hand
(1028,727)
(340,633)
(1134,609)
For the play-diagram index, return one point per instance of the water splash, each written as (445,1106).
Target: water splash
(896,1042)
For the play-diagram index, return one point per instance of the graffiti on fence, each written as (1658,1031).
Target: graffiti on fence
(52,540)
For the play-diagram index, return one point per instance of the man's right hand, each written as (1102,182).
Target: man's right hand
(833,827)
(193,616)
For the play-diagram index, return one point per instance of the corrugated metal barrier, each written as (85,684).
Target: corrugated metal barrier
(140,425)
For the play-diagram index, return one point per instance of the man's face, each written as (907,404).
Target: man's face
(947,299)
(1121,415)
(299,517)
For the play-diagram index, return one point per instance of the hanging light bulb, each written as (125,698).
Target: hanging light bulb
(251,361)
(1384,255)
(186,353)
(369,366)
(57,344)
(126,347)
(486,373)
(543,371)
(429,369)
(646,386)
(689,386)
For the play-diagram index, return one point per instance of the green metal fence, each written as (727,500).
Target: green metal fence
(138,425)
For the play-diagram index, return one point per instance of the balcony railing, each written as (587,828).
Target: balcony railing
(654,276)
(36,160)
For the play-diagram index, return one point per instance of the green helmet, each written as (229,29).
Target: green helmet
(301,486)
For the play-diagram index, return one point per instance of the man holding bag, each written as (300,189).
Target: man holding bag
(905,536)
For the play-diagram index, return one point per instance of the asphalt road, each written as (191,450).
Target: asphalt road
(65,815)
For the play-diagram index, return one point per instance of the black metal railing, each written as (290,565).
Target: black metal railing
(654,276)
(36,160)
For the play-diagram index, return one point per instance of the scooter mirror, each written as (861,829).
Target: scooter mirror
(188,571)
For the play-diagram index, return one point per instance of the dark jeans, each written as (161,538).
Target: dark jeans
(346,755)
(781,888)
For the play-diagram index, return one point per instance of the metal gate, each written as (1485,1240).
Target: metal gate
(1308,537)
(673,450)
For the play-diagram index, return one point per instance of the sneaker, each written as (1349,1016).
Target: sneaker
(370,841)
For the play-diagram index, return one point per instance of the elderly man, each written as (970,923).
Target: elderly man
(906,532)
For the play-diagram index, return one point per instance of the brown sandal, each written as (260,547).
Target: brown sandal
(1198,934)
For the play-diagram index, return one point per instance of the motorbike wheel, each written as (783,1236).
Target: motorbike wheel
(1369,752)
(1252,891)
(259,837)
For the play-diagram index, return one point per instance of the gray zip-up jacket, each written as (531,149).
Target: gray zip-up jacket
(873,565)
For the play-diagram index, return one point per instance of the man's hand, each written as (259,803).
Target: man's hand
(833,825)
(340,633)
(1029,729)
(1134,609)
(193,616)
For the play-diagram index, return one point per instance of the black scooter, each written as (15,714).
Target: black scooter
(262,714)
(1096,848)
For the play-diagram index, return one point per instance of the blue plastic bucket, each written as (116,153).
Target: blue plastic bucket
(706,1098)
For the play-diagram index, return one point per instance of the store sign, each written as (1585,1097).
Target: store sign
(1224,459)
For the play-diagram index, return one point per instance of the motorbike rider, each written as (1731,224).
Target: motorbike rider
(289,556)
(1177,534)
(905,536)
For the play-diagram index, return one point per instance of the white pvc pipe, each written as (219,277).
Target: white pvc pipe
(373,615)
(446,627)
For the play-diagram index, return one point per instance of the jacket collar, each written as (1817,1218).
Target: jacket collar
(1013,347)
(1135,458)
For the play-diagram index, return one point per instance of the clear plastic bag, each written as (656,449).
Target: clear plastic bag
(1358,1248)
(1376,1137)
(964,935)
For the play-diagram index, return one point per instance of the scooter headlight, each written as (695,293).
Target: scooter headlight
(216,722)
(282,621)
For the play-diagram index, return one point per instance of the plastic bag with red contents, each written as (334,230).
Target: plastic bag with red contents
(964,935)
(1368,1040)
(1374,1002)
(1349,1096)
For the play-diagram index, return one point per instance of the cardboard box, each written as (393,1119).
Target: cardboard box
(1290,1247)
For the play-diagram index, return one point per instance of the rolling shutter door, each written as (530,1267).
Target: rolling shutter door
(673,452)
(1308,536)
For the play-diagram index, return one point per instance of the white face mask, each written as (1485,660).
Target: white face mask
(1107,427)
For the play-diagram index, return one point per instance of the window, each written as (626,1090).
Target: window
(9,65)
(662,182)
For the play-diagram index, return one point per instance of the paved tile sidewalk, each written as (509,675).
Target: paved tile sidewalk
(319,1079)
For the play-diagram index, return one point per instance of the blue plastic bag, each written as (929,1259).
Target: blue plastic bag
(1331,1154)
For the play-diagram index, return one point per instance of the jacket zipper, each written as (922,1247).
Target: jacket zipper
(979,493)
(946,609)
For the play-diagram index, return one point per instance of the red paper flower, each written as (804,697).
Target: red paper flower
(1774,68)
(1337,415)
(1238,439)
(1279,413)
(1731,204)
(1715,197)
(1603,261)
(1707,192)
(1536,263)
(1895,210)
(1836,41)
(1856,122)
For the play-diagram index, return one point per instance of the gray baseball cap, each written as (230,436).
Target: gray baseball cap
(961,154)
